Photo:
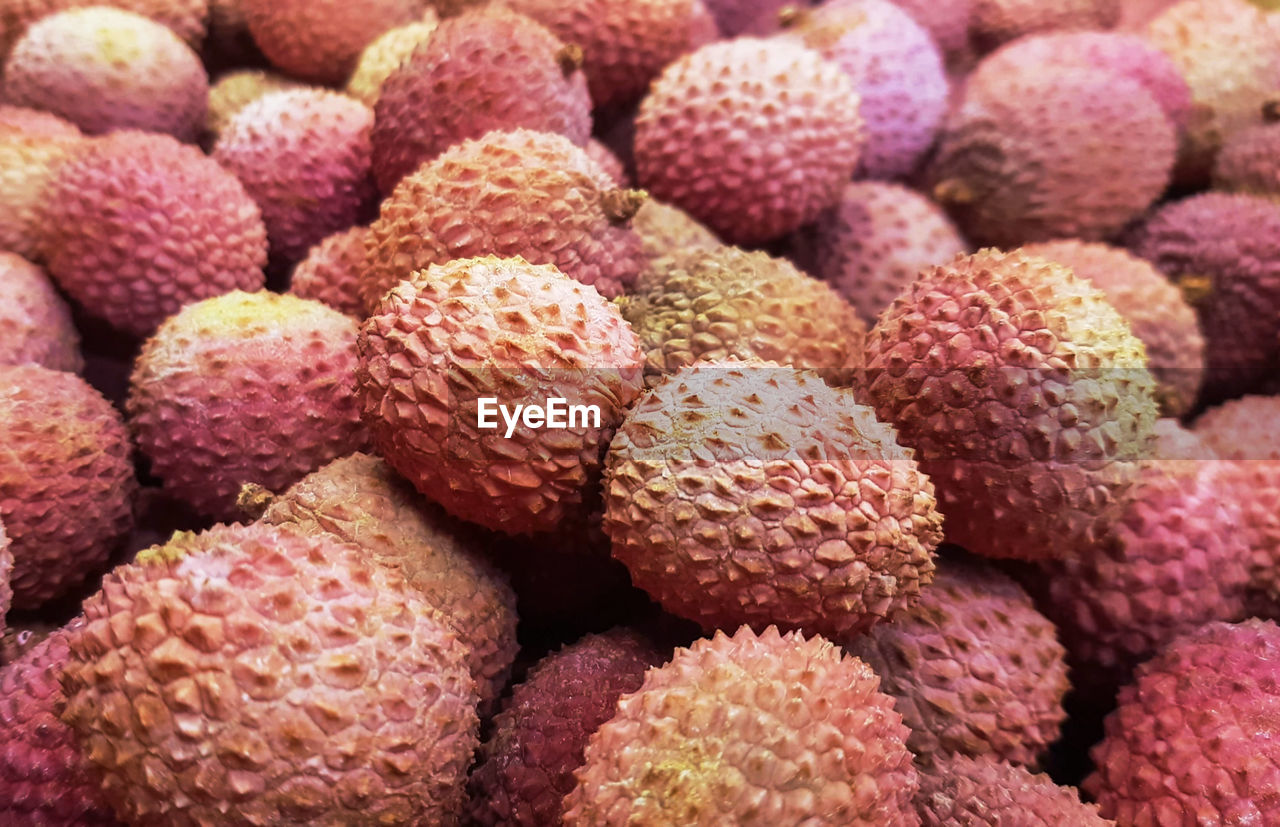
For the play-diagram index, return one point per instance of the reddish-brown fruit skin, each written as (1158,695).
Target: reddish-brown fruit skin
(752,493)
(33,146)
(213,672)
(246,387)
(138,225)
(998,21)
(527,194)
(331,272)
(66,480)
(186,17)
(1248,162)
(1224,252)
(974,668)
(321,40)
(35,323)
(610,163)
(6,576)
(304,157)
(485,70)
(665,230)
(964,792)
(1155,309)
(526,767)
(517,332)
(749,729)
(946,20)
(1024,395)
(757,17)
(360,500)
(1196,737)
(43,779)
(751,137)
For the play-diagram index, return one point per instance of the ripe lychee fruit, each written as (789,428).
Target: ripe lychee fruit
(998,21)
(958,791)
(331,272)
(237,89)
(35,323)
(33,146)
(1247,162)
(665,230)
(385,54)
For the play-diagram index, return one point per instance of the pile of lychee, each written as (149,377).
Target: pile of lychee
(640,412)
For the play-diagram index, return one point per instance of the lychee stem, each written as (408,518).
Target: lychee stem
(254,500)
(790,16)
(1271,111)
(1195,288)
(570,58)
(621,205)
(953,191)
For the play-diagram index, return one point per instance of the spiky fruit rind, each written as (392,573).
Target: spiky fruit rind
(1024,394)
(752,493)
(665,230)
(252,651)
(305,157)
(749,729)
(236,90)
(751,137)
(138,225)
(360,500)
(1004,703)
(35,323)
(1196,732)
(481,71)
(331,272)
(185,17)
(386,54)
(66,480)
(246,387)
(1247,162)
(105,69)
(521,334)
(963,792)
(463,204)
(998,21)
(525,768)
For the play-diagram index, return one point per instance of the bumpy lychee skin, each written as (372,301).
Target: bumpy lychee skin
(750,730)
(214,671)
(609,162)
(1155,309)
(1024,394)
(32,150)
(959,791)
(1076,152)
(874,242)
(305,158)
(1229,53)
(624,45)
(974,668)
(751,137)
(751,493)
(321,40)
(6,577)
(331,272)
(1196,733)
(946,20)
(43,778)
(740,17)
(385,54)
(519,333)
(897,71)
(360,500)
(998,21)
(483,70)
(35,323)
(1224,252)
(105,69)
(30,121)
(529,194)
(185,17)
(246,387)
(526,767)
(138,225)
(1248,163)
(665,230)
(236,90)
(66,480)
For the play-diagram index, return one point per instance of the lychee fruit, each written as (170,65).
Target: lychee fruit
(32,150)
(237,89)
(993,22)
(665,230)
(958,791)
(385,54)
(1248,163)
(331,272)
(35,323)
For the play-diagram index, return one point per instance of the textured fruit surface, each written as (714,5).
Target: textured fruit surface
(624,45)
(105,69)
(1196,733)
(138,225)
(897,71)
(6,576)
(1224,253)
(33,146)
(66,480)
(236,90)
(385,54)
(735,17)
(331,272)
(1024,395)
(305,157)
(527,194)
(274,674)
(186,17)
(360,500)
(35,323)
(246,387)
(321,40)
(1154,308)
(973,667)
(1077,152)
(959,791)
(525,768)
(751,493)
(43,778)
(874,242)
(751,137)
(483,70)
(946,20)
(666,230)
(998,21)
(1248,161)
(521,334)
(725,302)
(749,729)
